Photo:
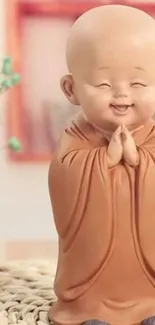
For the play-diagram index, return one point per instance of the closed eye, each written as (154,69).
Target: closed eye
(138,84)
(104,85)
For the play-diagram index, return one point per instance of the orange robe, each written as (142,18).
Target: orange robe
(105,219)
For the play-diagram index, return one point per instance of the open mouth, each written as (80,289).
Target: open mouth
(121,109)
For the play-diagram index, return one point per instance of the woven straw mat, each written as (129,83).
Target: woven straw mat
(26,292)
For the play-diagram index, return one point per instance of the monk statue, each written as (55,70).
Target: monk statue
(102,175)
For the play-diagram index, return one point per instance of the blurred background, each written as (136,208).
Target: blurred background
(26,221)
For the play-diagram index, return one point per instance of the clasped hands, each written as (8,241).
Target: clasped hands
(122,146)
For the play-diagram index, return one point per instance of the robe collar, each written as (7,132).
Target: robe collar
(90,133)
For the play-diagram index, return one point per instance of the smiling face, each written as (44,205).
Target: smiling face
(118,87)
(113,76)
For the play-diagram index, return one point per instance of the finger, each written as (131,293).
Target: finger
(124,129)
(117,138)
(118,130)
(125,134)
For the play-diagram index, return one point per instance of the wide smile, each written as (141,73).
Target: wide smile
(120,109)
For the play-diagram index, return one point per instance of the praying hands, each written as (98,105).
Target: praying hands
(122,146)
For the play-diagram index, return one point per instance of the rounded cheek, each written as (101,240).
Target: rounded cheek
(146,106)
(99,102)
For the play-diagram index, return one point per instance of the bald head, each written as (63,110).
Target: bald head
(111,56)
(110,26)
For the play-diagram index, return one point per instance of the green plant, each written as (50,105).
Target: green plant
(9,79)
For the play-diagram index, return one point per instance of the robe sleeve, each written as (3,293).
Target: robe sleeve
(74,164)
(145,205)
(80,192)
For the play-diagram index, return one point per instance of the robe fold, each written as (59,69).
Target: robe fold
(105,219)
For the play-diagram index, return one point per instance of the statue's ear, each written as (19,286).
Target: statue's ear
(67,86)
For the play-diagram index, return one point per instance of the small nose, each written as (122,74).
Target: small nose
(120,95)
(121,92)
